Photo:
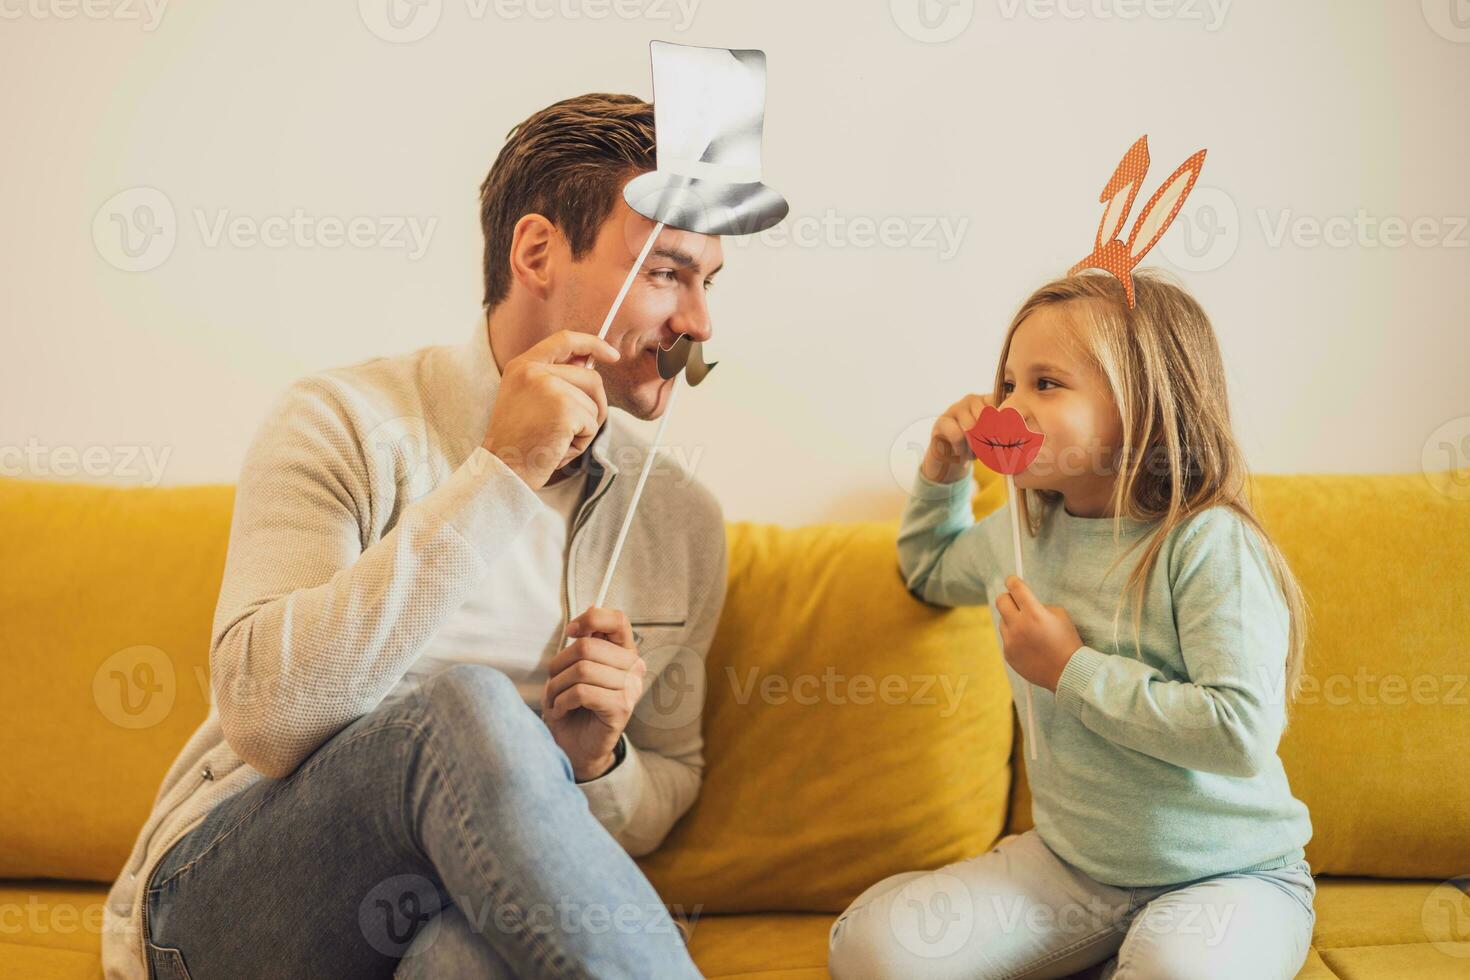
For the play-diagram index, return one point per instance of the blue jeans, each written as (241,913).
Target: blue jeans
(1020,912)
(440,835)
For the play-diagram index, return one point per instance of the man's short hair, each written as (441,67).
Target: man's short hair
(567,162)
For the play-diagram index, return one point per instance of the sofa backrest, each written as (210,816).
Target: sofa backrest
(851,731)
(106,597)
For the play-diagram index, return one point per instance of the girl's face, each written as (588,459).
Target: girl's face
(1061,394)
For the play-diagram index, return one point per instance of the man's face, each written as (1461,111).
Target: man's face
(667,298)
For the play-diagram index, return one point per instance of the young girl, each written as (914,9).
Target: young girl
(1167,841)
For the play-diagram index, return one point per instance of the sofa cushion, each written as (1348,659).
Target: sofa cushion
(788,946)
(108,594)
(1383,930)
(851,731)
(39,963)
(1355,913)
(1366,930)
(1382,723)
(54,915)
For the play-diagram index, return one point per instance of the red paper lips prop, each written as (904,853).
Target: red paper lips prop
(1001,440)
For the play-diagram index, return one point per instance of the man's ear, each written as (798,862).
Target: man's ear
(533,245)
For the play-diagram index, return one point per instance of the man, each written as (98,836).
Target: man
(417,761)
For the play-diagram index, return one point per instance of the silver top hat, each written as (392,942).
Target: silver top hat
(708,112)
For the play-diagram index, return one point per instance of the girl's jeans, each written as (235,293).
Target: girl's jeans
(1020,911)
(440,835)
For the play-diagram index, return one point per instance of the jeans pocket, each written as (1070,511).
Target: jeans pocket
(166,963)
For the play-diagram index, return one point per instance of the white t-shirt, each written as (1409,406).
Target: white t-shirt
(514,622)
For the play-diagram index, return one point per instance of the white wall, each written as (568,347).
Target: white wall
(1341,358)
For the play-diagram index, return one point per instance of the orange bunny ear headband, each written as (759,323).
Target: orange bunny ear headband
(1110,254)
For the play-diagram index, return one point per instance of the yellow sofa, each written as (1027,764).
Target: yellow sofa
(852,731)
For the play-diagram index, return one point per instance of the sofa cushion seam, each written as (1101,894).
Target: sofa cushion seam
(1408,942)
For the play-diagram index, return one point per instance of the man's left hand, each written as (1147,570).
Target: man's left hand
(1038,640)
(592,687)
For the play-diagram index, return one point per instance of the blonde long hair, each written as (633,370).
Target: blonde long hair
(1179,455)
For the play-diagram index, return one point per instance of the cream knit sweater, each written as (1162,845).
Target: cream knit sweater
(365,513)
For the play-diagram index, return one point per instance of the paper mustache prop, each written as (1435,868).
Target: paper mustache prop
(1109,253)
(685,355)
(709,107)
(1002,441)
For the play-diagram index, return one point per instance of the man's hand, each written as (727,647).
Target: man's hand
(591,689)
(1038,640)
(548,409)
(948,457)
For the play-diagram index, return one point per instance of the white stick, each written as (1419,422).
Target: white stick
(627,284)
(1016,540)
(658,437)
(653,450)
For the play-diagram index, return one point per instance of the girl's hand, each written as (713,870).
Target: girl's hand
(948,457)
(1037,640)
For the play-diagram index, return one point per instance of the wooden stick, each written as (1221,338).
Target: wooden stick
(1016,540)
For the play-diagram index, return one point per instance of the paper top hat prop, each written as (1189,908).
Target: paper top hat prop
(709,109)
(1110,253)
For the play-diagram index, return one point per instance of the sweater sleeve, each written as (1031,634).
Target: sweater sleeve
(644,795)
(313,628)
(1227,715)
(942,553)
